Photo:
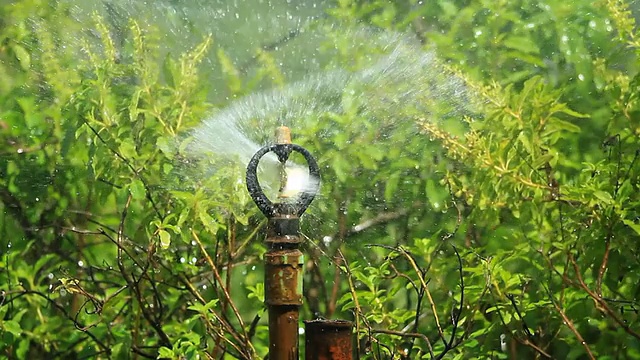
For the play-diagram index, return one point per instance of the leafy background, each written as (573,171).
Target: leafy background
(507,228)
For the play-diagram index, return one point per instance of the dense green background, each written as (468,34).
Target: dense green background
(494,215)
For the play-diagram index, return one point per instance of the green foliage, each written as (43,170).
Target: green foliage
(505,229)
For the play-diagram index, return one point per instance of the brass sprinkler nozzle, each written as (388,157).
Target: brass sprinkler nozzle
(283,135)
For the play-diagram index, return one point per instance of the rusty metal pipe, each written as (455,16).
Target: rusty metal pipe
(283,259)
(328,340)
(283,296)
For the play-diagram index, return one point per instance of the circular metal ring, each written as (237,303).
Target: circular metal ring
(282,151)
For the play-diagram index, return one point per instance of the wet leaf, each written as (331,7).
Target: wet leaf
(632,225)
(12,327)
(522,43)
(165,239)
(209,222)
(137,189)
(133,107)
(604,196)
(23,56)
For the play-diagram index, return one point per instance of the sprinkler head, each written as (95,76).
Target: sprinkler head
(283,149)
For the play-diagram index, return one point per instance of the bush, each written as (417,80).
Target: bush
(479,195)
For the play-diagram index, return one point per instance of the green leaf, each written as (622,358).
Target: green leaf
(13,327)
(522,43)
(23,348)
(526,142)
(605,197)
(208,221)
(556,124)
(436,194)
(566,110)
(632,225)
(23,56)
(166,353)
(256,292)
(203,308)
(165,239)
(169,71)
(42,261)
(128,149)
(341,167)
(541,160)
(165,145)
(391,186)
(137,189)
(133,107)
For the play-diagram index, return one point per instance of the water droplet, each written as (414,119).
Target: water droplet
(182,260)
(581,77)
(80,263)
(50,276)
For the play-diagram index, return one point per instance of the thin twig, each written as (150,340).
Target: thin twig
(227,296)
(570,325)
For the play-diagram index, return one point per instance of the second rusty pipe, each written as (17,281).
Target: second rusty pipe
(328,340)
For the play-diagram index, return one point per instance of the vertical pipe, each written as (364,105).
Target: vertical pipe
(283,332)
(283,259)
(283,286)
(328,340)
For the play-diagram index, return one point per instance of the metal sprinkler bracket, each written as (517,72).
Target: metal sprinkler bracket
(325,339)
(283,259)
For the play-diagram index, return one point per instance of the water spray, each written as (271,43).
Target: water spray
(283,260)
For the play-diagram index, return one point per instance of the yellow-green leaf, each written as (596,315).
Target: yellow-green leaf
(165,239)
(23,56)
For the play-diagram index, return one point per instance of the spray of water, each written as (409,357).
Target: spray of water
(397,79)
(237,27)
